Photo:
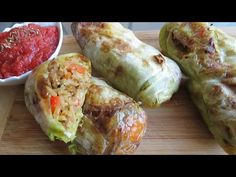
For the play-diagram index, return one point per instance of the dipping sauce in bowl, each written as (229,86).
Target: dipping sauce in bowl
(23,48)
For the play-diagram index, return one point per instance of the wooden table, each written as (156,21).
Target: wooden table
(174,128)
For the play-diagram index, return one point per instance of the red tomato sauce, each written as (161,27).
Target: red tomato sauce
(24,48)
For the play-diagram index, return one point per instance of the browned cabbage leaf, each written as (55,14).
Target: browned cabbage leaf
(113,123)
(208,57)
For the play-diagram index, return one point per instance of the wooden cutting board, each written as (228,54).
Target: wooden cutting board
(174,128)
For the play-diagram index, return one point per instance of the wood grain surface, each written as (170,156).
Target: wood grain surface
(174,128)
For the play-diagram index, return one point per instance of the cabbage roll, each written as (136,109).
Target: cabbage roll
(207,56)
(129,65)
(55,93)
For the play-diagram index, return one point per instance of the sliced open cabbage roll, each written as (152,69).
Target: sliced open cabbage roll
(55,93)
(113,123)
(208,57)
(131,66)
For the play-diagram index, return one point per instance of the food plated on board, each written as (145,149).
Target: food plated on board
(104,114)
(64,100)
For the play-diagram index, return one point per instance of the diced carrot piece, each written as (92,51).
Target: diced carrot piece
(78,68)
(55,102)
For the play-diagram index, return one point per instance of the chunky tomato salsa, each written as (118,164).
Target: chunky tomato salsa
(24,48)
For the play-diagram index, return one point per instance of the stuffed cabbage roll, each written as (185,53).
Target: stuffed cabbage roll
(113,123)
(55,93)
(131,66)
(208,57)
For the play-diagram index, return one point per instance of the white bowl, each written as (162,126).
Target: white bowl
(17,80)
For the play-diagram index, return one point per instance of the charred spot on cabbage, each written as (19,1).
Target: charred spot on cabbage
(119,70)
(159,59)
(179,44)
